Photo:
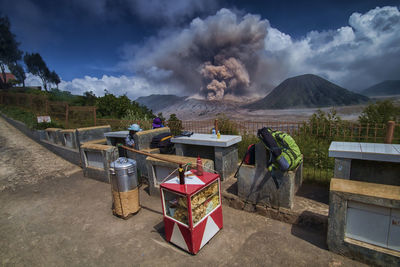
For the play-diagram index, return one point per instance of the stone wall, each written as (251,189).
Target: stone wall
(91,133)
(375,197)
(256,185)
(96,159)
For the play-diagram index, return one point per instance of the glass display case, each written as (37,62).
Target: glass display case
(192,212)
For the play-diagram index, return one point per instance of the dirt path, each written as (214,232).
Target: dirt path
(68,222)
(23,161)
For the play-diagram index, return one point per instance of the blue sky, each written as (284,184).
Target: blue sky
(141,47)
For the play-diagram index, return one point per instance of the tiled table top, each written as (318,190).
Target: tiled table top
(119,134)
(208,140)
(365,151)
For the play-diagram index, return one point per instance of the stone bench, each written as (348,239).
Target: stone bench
(52,135)
(364,221)
(96,159)
(63,143)
(142,142)
(87,134)
(68,138)
(159,169)
(256,186)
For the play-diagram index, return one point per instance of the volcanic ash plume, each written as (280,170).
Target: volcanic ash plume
(228,76)
(218,56)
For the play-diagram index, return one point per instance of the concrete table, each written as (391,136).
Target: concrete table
(113,138)
(223,151)
(368,162)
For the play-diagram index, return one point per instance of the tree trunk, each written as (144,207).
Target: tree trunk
(3,81)
(44,83)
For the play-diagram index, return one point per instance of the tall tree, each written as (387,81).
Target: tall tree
(19,73)
(38,67)
(54,78)
(9,51)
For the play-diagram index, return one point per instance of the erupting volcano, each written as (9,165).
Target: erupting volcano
(221,55)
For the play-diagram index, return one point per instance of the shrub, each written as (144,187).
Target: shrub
(27,117)
(45,125)
(226,126)
(381,112)
(175,124)
(247,139)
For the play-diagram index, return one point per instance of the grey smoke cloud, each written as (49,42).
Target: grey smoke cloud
(228,76)
(227,54)
(213,57)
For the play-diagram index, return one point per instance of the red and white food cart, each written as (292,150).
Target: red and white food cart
(191,228)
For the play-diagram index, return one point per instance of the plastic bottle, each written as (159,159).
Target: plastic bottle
(181,175)
(218,135)
(213,133)
(199,164)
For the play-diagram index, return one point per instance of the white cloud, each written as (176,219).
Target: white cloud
(277,41)
(133,86)
(32,80)
(355,56)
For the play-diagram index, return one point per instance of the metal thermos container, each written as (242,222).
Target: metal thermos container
(123,174)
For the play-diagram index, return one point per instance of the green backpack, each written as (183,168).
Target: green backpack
(285,155)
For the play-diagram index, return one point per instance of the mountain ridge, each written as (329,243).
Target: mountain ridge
(388,87)
(307,91)
(158,102)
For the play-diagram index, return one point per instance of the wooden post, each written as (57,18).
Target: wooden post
(94,115)
(66,115)
(389,132)
(30,102)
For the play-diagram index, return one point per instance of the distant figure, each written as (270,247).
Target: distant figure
(133,129)
(157,123)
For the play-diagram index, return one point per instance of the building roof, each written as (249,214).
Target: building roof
(9,76)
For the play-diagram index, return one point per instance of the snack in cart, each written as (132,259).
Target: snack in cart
(181,215)
(199,212)
(215,201)
(182,202)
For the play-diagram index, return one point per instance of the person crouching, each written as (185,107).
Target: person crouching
(133,129)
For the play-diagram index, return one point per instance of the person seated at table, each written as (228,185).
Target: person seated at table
(157,123)
(133,129)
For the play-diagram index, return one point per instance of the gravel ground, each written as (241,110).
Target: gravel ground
(23,161)
(54,216)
